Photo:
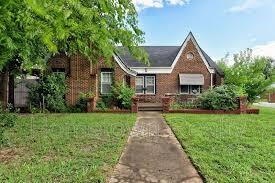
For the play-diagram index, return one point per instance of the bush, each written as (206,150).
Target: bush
(49,91)
(123,95)
(81,105)
(184,105)
(220,98)
(101,105)
(7,120)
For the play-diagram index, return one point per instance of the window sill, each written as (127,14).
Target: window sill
(189,94)
(145,94)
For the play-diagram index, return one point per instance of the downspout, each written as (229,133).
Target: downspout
(211,81)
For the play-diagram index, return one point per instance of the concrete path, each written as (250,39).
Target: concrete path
(265,104)
(153,154)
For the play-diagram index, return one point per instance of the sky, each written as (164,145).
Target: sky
(219,26)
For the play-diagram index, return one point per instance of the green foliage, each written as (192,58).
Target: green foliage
(31,31)
(184,105)
(51,90)
(7,120)
(81,105)
(123,95)
(220,98)
(101,105)
(251,74)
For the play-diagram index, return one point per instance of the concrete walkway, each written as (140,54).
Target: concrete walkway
(153,154)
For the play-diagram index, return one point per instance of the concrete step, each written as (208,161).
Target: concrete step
(150,107)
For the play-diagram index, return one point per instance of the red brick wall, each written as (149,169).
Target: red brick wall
(84,77)
(271,98)
(169,83)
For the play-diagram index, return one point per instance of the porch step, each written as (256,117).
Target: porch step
(149,107)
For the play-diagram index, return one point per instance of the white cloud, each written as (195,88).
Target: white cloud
(142,4)
(265,50)
(246,5)
(178,2)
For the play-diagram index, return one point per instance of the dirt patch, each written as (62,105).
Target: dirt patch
(8,154)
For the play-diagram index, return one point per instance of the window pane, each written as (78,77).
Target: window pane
(139,89)
(139,81)
(150,81)
(106,77)
(184,89)
(195,89)
(150,89)
(106,88)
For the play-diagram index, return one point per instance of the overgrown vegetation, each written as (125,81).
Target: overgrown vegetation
(49,94)
(53,147)
(7,120)
(123,95)
(223,97)
(229,148)
(120,96)
(81,105)
(184,105)
(251,74)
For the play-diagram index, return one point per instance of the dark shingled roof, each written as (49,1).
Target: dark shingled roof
(160,56)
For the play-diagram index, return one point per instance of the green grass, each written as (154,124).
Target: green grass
(64,147)
(229,148)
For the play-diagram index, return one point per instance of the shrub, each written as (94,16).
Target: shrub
(123,95)
(7,120)
(101,105)
(50,92)
(81,105)
(184,105)
(220,98)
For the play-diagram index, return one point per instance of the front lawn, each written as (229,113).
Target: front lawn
(64,147)
(229,148)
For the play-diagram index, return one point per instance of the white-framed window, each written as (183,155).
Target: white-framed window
(106,82)
(190,89)
(139,85)
(145,85)
(150,84)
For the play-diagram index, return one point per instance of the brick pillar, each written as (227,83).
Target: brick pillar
(166,104)
(271,97)
(243,104)
(134,107)
(91,104)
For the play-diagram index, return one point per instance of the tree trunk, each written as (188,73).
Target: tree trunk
(4,80)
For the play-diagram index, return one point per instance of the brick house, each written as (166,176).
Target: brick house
(184,71)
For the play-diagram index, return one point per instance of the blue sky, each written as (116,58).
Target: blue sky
(220,26)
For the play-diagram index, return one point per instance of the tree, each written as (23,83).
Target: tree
(32,30)
(251,74)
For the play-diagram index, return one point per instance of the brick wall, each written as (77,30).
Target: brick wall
(271,97)
(83,76)
(169,83)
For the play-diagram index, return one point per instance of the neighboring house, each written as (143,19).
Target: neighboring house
(185,70)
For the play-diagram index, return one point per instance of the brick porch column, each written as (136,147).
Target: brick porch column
(134,107)
(166,104)
(243,104)
(91,104)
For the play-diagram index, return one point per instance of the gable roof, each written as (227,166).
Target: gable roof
(159,56)
(166,56)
